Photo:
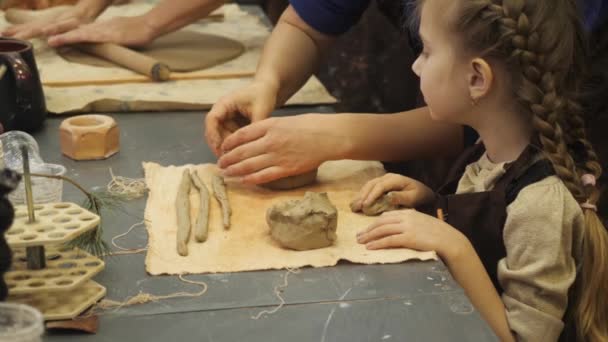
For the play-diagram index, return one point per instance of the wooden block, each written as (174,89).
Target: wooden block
(89,137)
(87,324)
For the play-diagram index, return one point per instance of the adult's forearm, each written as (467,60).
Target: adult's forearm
(391,137)
(90,9)
(291,55)
(171,15)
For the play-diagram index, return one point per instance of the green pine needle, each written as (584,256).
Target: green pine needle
(95,201)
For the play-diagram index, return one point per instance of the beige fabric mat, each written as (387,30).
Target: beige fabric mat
(166,96)
(174,95)
(247,245)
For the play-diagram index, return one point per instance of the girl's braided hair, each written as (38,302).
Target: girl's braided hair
(541,44)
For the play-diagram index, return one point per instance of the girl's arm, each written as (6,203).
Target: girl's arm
(412,229)
(468,271)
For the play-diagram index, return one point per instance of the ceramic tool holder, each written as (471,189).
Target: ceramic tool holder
(45,273)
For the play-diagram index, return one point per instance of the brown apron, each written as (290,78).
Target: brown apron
(481,216)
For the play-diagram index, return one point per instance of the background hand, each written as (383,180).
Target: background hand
(127,31)
(49,22)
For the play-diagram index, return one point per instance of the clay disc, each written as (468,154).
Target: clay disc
(181,51)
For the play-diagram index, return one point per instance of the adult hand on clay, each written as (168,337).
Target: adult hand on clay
(251,103)
(279,147)
(129,31)
(407,192)
(48,25)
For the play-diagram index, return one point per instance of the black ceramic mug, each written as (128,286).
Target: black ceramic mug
(22,105)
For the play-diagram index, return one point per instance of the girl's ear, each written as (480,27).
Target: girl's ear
(480,79)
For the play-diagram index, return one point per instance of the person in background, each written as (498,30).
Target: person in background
(34,4)
(78,25)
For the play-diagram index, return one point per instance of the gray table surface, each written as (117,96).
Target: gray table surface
(413,301)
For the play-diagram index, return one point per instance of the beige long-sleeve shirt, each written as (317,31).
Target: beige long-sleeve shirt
(542,236)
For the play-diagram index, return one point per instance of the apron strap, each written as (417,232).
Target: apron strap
(523,172)
(470,155)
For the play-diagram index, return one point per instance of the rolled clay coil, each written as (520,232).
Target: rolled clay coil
(219,191)
(201,225)
(182,212)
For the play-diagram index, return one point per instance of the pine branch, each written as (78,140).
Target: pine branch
(95,201)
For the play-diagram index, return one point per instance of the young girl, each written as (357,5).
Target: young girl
(520,234)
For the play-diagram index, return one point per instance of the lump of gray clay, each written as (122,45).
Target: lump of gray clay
(292,182)
(380,205)
(303,224)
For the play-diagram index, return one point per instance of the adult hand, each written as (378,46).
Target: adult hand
(279,147)
(50,22)
(129,31)
(251,103)
(407,192)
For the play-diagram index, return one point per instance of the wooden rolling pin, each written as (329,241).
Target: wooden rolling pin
(114,53)
(129,59)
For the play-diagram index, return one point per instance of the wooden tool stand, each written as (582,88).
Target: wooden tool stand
(45,273)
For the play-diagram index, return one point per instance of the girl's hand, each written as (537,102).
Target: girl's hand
(407,192)
(412,229)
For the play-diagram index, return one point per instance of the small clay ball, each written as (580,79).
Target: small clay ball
(307,223)
(292,182)
(382,204)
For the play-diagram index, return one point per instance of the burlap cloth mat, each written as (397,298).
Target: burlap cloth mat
(247,245)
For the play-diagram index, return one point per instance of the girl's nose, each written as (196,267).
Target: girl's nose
(416,66)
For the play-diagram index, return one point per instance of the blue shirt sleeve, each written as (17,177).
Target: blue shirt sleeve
(595,12)
(332,17)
